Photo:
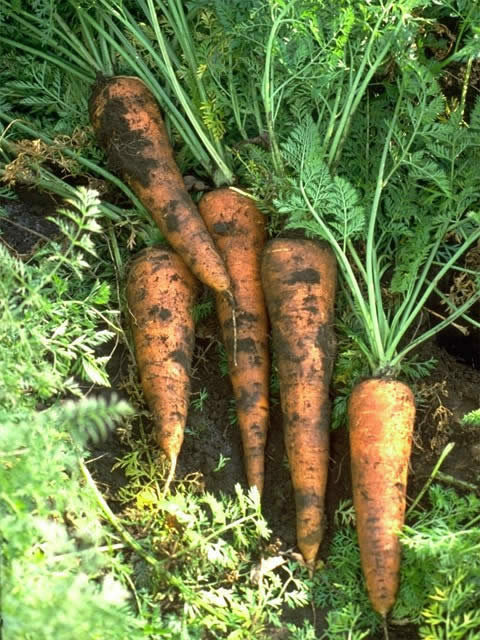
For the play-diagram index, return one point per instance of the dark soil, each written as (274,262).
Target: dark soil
(127,148)
(443,398)
(24,225)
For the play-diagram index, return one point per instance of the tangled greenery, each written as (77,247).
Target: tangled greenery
(337,118)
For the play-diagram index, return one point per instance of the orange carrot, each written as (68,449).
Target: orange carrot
(160,294)
(381,414)
(299,280)
(128,124)
(238,230)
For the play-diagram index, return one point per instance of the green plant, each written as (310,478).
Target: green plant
(433,161)
(440,550)
(205,547)
(472,418)
(335,111)
(70,565)
(60,576)
(222,462)
(438,589)
(198,399)
(202,310)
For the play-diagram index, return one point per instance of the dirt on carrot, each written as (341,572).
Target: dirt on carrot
(129,126)
(299,280)
(381,415)
(238,230)
(160,294)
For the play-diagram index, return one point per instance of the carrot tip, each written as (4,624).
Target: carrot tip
(171,474)
(385,628)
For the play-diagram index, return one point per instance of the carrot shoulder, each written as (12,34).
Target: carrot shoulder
(238,230)
(129,126)
(381,415)
(160,294)
(299,279)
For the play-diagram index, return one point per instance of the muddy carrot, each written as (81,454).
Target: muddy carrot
(160,294)
(238,230)
(381,415)
(299,280)
(129,126)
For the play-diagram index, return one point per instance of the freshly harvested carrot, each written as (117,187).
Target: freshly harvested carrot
(299,280)
(238,230)
(129,126)
(160,294)
(381,415)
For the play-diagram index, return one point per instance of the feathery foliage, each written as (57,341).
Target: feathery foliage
(334,116)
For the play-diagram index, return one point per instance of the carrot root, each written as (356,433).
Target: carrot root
(170,476)
(381,415)
(299,278)
(160,294)
(238,230)
(129,126)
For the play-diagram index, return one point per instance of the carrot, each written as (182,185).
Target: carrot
(128,124)
(299,280)
(381,414)
(160,294)
(238,230)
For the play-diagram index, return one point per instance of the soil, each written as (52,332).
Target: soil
(445,396)
(24,227)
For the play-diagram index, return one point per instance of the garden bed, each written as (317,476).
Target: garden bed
(354,123)
(211,457)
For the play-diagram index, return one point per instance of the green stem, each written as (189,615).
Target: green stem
(372,267)
(444,298)
(409,300)
(267,91)
(463,485)
(132,23)
(90,59)
(460,311)
(333,116)
(91,44)
(182,31)
(431,478)
(357,90)
(348,273)
(64,33)
(454,267)
(234,99)
(466,82)
(407,147)
(105,52)
(56,61)
(171,76)
(413,310)
(256,107)
(356,259)
(113,520)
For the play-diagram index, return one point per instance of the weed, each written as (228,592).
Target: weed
(222,462)
(472,418)
(198,399)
